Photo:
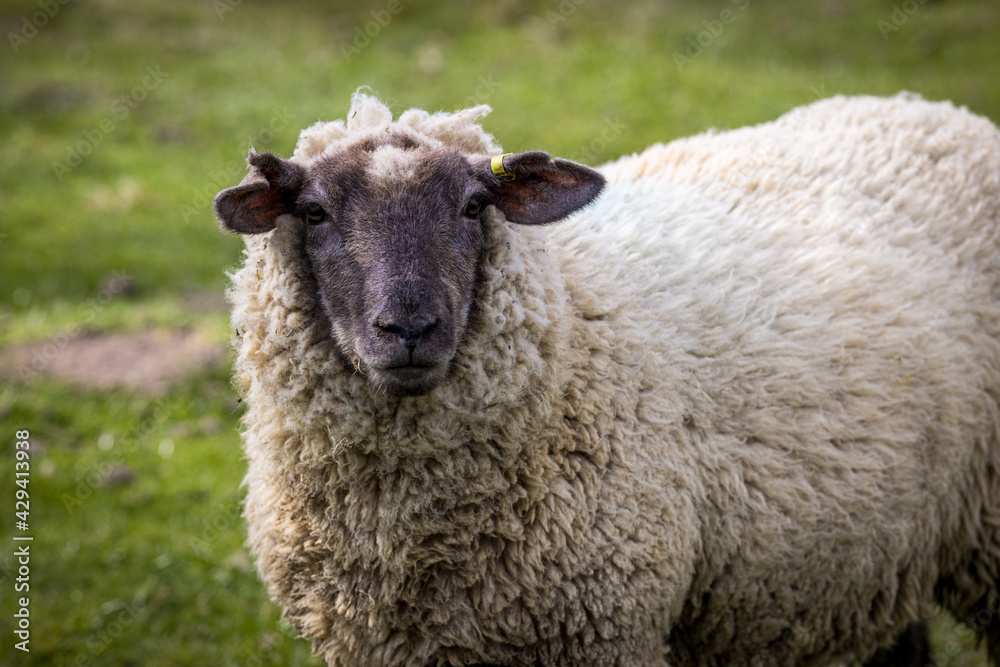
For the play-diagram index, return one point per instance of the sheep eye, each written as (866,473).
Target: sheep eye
(474,207)
(315,214)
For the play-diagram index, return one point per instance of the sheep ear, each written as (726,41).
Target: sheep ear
(533,189)
(252,206)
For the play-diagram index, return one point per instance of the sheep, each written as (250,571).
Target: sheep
(730,401)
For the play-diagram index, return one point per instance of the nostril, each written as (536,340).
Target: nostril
(408,334)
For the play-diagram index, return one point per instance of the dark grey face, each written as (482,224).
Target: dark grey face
(394,256)
(394,234)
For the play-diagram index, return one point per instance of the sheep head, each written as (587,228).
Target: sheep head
(394,232)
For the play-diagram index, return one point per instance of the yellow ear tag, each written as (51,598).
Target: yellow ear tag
(496,166)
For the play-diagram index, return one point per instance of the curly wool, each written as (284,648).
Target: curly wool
(747,402)
(370,117)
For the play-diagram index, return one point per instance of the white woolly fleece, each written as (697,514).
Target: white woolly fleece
(747,399)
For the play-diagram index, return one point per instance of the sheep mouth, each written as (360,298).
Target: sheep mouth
(409,379)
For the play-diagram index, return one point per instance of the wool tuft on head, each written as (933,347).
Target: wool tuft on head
(368,115)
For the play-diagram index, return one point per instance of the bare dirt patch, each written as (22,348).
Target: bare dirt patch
(150,361)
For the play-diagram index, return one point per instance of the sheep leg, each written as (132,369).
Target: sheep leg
(912,649)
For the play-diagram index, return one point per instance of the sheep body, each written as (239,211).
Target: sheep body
(741,410)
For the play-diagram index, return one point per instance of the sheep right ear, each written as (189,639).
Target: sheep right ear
(252,206)
(532,188)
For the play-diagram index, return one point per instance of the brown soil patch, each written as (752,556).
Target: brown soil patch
(146,361)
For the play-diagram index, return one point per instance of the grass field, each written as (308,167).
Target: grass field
(120,120)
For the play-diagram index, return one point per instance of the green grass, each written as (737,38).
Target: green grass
(138,555)
(165,99)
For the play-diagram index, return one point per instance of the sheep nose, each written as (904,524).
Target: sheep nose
(407,333)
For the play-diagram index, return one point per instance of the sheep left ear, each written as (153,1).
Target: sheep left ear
(532,188)
(268,191)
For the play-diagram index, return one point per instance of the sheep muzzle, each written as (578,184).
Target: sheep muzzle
(408,344)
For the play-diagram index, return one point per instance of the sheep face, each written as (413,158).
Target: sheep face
(394,231)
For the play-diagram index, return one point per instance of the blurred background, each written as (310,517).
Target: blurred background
(119,121)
